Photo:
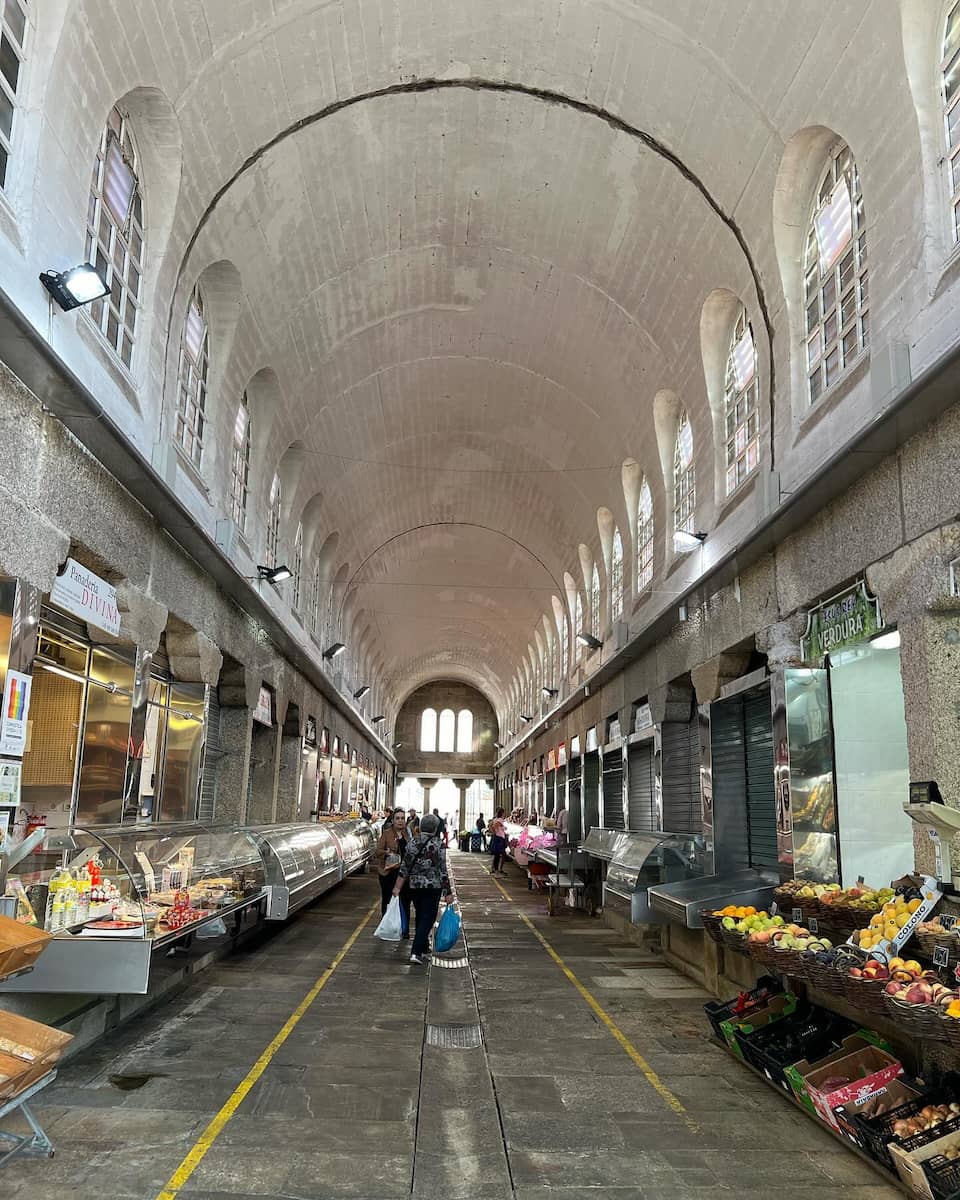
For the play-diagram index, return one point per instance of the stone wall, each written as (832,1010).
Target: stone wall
(440,695)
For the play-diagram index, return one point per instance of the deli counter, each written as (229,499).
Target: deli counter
(114,897)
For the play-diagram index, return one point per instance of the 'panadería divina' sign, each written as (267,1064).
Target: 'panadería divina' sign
(853,616)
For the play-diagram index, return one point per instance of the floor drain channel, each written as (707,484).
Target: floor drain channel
(454,1037)
(449,962)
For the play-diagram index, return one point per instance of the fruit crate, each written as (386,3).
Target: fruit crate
(32,1050)
(812,1033)
(877,1132)
(721,1010)
(943,1176)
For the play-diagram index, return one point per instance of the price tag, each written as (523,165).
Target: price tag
(941,956)
(798,916)
(947,921)
(773,909)
(813,926)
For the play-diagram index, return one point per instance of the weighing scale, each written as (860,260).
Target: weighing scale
(927,808)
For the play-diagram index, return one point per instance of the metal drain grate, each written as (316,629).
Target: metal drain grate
(454,1037)
(449,962)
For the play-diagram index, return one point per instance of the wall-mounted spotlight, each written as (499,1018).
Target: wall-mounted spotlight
(397,745)
(80,285)
(361,692)
(588,640)
(274,574)
(332,651)
(550,692)
(682,611)
(497,746)
(524,717)
(377,720)
(684,541)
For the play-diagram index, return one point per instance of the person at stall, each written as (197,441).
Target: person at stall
(498,842)
(562,826)
(424,871)
(388,855)
(413,824)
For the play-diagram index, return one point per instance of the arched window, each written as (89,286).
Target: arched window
(272,552)
(835,274)
(13,40)
(644,538)
(465,731)
(115,233)
(428,731)
(595,602)
(564,649)
(950,83)
(741,403)
(578,623)
(240,465)
(297,565)
(192,379)
(684,488)
(447,731)
(616,576)
(315,600)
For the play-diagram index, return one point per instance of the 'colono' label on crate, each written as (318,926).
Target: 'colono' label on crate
(930,894)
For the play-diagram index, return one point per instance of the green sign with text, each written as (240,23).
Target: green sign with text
(853,616)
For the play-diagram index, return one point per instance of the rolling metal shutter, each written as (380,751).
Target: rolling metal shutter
(212,753)
(560,800)
(641,803)
(680,746)
(591,792)
(613,790)
(574,806)
(730,777)
(548,795)
(761,802)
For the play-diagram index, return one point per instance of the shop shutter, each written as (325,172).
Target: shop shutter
(574,811)
(546,807)
(730,777)
(591,792)
(212,753)
(761,805)
(680,776)
(560,799)
(613,790)
(641,804)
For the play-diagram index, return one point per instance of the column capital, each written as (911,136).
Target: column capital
(916,578)
(192,654)
(710,676)
(780,642)
(142,620)
(462,785)
(671,702)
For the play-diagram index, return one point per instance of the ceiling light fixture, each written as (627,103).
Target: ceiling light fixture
(550,692)
(333,650)
(684,541)
(361,691)
(524,717)
(73,288)
(377,720)
(497,746)
(588,640)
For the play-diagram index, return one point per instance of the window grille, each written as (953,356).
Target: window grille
(192,384)
(741,404)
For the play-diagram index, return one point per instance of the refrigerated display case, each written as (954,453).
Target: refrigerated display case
(112,897)
(640,861)
(356,842)
(300,862)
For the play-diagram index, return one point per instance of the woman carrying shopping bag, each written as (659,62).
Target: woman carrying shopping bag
(424,870)
(388,856)
(498,842)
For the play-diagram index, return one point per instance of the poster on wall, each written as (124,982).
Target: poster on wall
(4,825)
(16,709)
(10,776)
(263,713)
(87,596)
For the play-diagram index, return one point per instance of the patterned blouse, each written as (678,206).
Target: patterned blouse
(425,863)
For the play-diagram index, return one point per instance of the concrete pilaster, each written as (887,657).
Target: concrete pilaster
(233,773)
(427,785)
(463,786)
(709,677)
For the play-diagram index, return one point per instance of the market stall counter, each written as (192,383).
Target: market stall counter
(641,861)
(683,902)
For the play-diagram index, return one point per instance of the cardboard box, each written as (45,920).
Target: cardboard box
(870,1069)
(778,1008)
(798,1073)
(909,1164)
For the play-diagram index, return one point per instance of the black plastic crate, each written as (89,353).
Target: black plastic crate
(811,1034)
(943,1175)
(877,1132)
(721,1010)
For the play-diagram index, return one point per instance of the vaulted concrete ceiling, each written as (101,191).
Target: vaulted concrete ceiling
(474,242)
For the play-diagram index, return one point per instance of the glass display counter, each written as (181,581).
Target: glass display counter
(300,862)
(639,861)
(355,840)
(113,896)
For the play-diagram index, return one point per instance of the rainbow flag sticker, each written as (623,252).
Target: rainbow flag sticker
(17,702)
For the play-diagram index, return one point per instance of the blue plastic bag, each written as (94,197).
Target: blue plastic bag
(447,931)
(404,920)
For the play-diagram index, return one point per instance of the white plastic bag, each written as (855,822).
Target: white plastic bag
(390,928)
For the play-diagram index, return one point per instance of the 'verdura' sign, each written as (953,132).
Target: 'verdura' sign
(852,616)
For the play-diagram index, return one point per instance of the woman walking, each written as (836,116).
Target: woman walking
(498,842)
(388,856)
(424,871)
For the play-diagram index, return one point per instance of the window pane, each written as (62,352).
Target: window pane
(465,732)
(834,225)
(9,62)
(445,740)
(16,19)
(428,730)
(118,183)
(193,331)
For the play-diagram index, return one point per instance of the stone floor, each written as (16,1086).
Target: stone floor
(355,1103)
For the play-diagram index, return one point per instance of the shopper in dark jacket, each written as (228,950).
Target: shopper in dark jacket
(424,869)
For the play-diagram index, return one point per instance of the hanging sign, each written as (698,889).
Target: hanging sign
(87,596)
(551,760)
(10,776)
(852,616)
(310,733)
(324,741)
(336,746)
(264,710)
(642,718)
(562,754)
(16,707)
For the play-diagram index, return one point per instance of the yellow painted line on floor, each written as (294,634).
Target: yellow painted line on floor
(669,1099)
(206,1139)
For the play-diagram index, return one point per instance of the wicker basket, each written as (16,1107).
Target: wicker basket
(847,917)
(920,1020)
(825,977)
(787,962)
(713,926)
(734,941)
(867,995)
(930,941)
(763,952)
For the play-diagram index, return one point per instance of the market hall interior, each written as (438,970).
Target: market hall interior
(543,405)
